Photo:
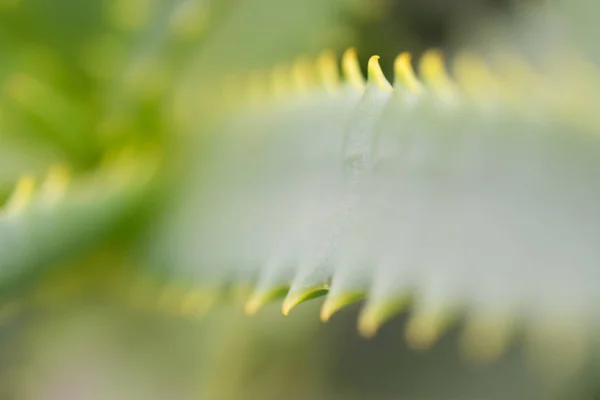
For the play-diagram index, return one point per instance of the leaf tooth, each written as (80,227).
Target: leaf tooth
(328,70)
(299,295)
(520,82)
(347,287)
(55,184)
(129,166)
(311,281)
(351,70)
(375,75)
(21,196)
(486,336)
(303,75)
(433,72)
(335,301)
(427,324)
(273,284)
(404,75)
(264,295)
(391,293)
(198,302)
(475,78)
(376,313)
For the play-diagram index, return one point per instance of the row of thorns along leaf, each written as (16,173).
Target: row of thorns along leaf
(45,218)
(483,339)
(492,337)
(511,82)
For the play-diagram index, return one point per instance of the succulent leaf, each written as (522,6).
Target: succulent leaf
(458,193)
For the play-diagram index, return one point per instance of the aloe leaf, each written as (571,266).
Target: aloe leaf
(461,192)
(62,217)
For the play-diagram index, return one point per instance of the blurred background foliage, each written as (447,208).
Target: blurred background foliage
(82,79)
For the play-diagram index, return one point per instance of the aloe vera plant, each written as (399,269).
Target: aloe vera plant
(464,191)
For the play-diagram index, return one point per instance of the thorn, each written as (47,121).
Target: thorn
(404,74)
(328,71)
(302,75)
(424,329)
(475,78)
(56,183)
(259,298)
(21,196)
(374,315)
(375,75)
(351,70)
(484,341)
(297,297)
(335,303)
(433,72)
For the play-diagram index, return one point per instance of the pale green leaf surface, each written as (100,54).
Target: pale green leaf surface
(41,225)
(466,196)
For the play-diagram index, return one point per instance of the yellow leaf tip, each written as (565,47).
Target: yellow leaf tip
(21,195)
(56,182)
(303,74)
(328,70)
(432,68)
(484,343)
(375,74)
(474,77)
(336,302)
(432,63)
(297,297)
(421,333)
(369,322)
(424,329)
(261,297)
(351,69)
(375,315)
(251,307)
(404,74)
